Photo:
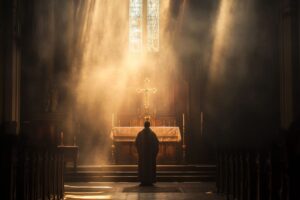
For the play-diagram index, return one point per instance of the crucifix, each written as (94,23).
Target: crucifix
(147,91)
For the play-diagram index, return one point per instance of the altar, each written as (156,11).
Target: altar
(124,150)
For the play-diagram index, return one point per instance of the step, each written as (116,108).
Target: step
(135,179)
(134,167)
(128,173)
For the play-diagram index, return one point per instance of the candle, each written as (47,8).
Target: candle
(112,120)
(183,123)
(61,138)
(74,140)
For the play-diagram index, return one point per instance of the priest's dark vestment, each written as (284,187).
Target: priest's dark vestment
(147,148)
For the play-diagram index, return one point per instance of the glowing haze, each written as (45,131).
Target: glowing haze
(108,70)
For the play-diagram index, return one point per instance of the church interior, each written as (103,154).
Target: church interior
(219,81)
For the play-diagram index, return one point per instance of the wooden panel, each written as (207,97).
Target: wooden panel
(126,153)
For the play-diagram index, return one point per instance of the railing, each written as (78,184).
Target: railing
(245,174)
(32,172)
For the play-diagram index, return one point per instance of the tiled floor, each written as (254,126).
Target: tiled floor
(132,191)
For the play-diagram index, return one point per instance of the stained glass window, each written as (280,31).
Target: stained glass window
(136,25)
(153,25)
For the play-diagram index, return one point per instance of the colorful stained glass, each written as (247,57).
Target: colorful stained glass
(153,25)
(136,25)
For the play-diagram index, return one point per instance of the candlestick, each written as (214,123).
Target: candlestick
(183,129)
(183,140)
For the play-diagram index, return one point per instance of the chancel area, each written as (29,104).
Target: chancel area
(213,83)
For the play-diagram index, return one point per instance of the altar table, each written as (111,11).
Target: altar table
(124,150)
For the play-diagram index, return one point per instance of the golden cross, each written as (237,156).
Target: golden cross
(147,90)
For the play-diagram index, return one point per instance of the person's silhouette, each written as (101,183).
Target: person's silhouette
(147,148)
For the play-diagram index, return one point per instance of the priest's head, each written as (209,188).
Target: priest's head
(147,124)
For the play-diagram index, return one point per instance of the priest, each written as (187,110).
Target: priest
(147,148)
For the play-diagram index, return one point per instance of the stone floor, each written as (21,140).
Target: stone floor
(132,191)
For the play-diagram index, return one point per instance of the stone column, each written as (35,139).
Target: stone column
(12,66)
(289,60)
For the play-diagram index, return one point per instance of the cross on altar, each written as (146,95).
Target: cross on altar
(147,91)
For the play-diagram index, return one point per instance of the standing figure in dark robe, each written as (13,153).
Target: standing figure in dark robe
(147,148)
